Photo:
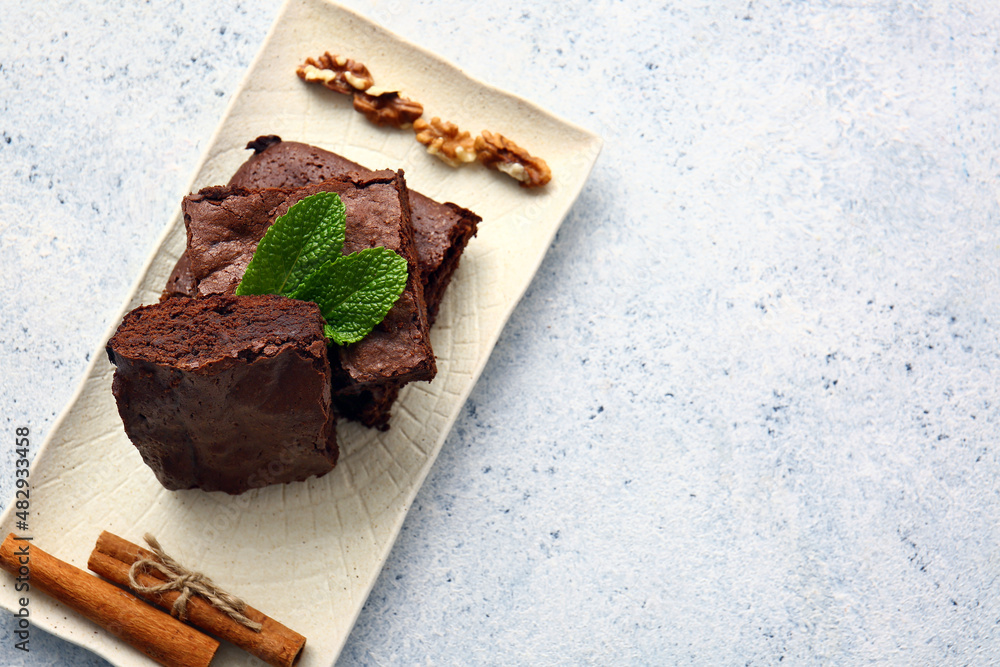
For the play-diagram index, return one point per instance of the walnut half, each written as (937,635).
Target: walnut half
(388,108)
(445,141)
(496,151)
(338,73)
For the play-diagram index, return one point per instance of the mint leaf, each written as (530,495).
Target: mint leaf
(300,257)
(355,292)
(310,234)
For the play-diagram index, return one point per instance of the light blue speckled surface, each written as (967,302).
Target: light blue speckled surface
(747,411)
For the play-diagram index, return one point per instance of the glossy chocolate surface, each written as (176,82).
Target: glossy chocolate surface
(226,393)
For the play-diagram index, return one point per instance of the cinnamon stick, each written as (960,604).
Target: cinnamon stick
(275,644)
(160,636)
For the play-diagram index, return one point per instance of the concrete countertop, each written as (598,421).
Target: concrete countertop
(747,412)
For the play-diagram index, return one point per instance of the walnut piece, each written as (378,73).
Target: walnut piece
(445,141)
(498,152)
(338,73)
(388,108)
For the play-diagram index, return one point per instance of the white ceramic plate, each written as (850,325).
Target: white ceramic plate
(309,553)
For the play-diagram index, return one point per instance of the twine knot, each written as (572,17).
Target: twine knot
(179,578)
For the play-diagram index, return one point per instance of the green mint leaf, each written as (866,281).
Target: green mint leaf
(308,236)
(355,292)
(300,257)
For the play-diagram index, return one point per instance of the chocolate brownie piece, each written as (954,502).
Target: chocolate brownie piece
(180,282)
(226,393)
(224,225)
(371,405)
(440,231)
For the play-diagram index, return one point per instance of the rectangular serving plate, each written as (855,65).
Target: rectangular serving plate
(309,553)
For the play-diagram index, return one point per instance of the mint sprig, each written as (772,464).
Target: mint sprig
(301,257)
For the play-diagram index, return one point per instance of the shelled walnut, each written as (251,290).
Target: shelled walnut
(388,108)
(495,151)
(445,141)
(338,73)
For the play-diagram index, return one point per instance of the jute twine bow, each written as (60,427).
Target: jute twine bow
(188,583)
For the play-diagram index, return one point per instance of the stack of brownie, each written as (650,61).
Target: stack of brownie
(224,225)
